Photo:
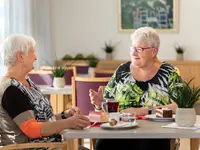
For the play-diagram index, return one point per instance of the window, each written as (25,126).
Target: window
(2,21)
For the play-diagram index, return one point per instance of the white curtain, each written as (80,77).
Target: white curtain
(31,17)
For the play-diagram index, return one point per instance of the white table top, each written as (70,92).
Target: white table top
(46,89)
(145,129)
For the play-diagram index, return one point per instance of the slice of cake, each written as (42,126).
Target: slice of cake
(163,113)
(98,116)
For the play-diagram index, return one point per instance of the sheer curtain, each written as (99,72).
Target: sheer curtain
(31,17)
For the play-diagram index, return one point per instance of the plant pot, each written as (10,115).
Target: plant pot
(108,56)
(58,82)
(91,71)
(185,117)
(179,56)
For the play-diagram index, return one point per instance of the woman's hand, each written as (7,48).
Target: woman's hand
(72,111)
(96,97)
(78,121)
(139,111)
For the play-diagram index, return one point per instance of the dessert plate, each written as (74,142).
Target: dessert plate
(153,117)
(119,126)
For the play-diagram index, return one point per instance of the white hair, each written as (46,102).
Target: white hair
(146,34)
(14,43)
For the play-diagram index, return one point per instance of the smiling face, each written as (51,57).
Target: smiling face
(141,54)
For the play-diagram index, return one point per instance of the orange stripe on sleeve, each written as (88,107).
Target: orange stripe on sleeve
(32,128)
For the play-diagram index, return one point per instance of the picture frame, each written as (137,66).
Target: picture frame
(162,15)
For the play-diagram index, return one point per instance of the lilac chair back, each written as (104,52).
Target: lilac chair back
(68,77)
(41,79)
(82,69)
(82,92)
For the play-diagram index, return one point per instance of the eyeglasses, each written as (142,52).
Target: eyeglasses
(138,49)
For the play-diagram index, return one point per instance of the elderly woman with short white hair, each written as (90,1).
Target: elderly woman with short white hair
(26,115)
(138,86)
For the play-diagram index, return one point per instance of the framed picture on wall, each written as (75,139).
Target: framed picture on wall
(162,15)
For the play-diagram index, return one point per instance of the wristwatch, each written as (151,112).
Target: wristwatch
(97,107)
(150,108)
(64,116)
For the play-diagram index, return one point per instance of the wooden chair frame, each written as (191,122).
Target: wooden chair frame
(96,70)
(92,141)
(84,80)
(62,145)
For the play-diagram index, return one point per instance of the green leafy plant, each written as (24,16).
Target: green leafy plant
(67,57)
(58,71)
(93,62)
(79,57)
(179,49)
(182,94)
(91,56)
(109,48)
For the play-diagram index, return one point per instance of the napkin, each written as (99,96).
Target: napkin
(142,118)
(174,125)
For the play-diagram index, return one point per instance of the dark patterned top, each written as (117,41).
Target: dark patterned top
(19,104)
(132,93)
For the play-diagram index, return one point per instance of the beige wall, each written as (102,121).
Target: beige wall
(84,25)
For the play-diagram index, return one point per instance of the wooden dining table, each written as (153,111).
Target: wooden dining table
(146,129)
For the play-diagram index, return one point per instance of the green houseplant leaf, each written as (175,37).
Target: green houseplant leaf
(59,70)
(182,94)
(109,48)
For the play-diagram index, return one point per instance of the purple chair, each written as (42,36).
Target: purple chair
(82,69)
(69,73)
(80,94)
(41,77)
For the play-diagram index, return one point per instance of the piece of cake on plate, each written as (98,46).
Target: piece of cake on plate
(164,113)
(98,116)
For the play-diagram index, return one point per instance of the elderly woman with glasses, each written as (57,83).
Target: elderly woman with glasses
(139,86)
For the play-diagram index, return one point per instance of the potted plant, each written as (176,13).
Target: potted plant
(58,74)
(185,97)
(179,52)
(92,63)
(109,49)
(67,57)
(79,57)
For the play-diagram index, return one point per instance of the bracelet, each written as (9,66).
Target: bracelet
(97,107)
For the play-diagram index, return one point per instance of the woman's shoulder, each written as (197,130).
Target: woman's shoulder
(168,67)
(124,67)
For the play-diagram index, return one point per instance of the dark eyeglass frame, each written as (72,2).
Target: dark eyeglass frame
(138,49)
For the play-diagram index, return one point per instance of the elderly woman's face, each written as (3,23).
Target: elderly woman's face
(141,54)
(29,59)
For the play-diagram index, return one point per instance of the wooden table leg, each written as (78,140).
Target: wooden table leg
(60,103)
(53,101)
(72,144)
(194,144)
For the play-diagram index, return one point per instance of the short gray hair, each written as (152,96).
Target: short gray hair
(14,43)
(148,35)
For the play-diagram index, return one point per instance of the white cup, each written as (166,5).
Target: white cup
(114,115)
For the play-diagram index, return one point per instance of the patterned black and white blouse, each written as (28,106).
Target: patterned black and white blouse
(132,93)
